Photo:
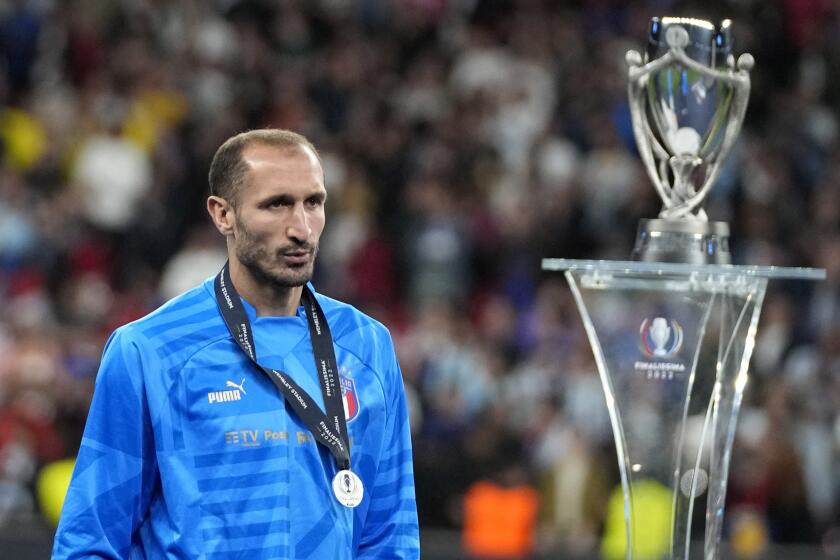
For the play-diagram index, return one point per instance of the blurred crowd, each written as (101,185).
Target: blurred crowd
(462,141)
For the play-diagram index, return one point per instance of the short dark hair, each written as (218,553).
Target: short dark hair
(227,171)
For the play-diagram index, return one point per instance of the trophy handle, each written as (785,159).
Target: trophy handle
(646,140)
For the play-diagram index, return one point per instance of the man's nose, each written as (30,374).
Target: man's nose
(298,226)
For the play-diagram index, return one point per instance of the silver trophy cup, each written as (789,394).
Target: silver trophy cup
(687,99)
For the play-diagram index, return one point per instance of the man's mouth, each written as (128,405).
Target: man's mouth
(297,257)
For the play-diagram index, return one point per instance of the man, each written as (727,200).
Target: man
(271,425)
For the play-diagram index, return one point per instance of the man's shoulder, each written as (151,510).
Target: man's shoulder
(345,320)
(362,336)
(358,333)
(191,313)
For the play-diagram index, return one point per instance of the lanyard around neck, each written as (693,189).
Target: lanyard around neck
(330,428)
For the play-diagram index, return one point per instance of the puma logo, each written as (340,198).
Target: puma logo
(233,385)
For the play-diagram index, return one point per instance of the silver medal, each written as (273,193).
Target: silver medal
(348,488)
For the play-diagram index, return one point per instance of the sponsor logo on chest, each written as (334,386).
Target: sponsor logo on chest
(233,394)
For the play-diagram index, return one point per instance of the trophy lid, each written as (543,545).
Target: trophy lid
(707,44)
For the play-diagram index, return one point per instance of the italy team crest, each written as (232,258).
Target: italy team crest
(349,396)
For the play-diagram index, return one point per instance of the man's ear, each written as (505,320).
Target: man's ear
(222,214)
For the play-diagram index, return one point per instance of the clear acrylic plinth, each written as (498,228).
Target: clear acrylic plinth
(672,343)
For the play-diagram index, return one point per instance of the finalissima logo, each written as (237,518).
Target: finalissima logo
(661,337)
(234,394)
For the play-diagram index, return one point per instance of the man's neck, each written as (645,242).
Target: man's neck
(268,299)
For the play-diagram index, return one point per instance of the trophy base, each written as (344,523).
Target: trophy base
(682,242)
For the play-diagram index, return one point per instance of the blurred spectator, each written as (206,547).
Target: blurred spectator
(201,256)
(499,522)
(654,502)
(113,174)
(20,27)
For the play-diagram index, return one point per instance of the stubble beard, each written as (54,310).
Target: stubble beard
(268,269)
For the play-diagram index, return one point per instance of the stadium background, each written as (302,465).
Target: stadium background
(463,140)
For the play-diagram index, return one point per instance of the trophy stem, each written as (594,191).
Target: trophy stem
(683,167)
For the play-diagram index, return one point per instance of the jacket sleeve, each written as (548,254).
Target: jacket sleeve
(115,470)
(391,530)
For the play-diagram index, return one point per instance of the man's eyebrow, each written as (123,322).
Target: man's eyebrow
(286,198)
(278,198)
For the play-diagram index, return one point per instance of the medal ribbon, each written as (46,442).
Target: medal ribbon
(330,428)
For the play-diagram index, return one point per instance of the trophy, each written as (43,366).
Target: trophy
(687,98)
(672,330)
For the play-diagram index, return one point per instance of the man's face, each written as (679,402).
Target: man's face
(280,214)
